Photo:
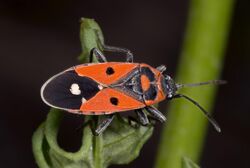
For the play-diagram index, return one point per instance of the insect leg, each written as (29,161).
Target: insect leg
(98,54)
(143,119)
(156,113)
(104,124)
(129,55)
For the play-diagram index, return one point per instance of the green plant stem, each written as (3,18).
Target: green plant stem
(201,60)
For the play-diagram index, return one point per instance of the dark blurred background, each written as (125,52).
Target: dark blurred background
(41,38)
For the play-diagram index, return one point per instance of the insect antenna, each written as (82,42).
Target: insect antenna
(212,82)
(209,117)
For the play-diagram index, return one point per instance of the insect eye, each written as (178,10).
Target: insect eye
(114,101)
(110,71)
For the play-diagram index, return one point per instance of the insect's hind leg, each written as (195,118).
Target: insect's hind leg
(98,54)
(129,55)
(104,124)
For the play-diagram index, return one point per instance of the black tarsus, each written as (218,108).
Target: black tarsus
(209,117)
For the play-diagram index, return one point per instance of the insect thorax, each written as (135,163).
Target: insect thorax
(139,83)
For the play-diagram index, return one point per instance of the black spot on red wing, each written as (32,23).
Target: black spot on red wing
(110,71)
(114,101)
(57,91)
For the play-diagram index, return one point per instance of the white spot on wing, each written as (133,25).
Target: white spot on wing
(75,89)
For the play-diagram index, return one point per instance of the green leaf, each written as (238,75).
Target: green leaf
(119,144)
(188,163)
(90,36)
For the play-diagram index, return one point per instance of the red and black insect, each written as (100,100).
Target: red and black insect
(106,88)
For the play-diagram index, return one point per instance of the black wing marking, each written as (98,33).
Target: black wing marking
(56,92)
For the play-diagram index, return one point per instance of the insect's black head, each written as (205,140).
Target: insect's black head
(169,86)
